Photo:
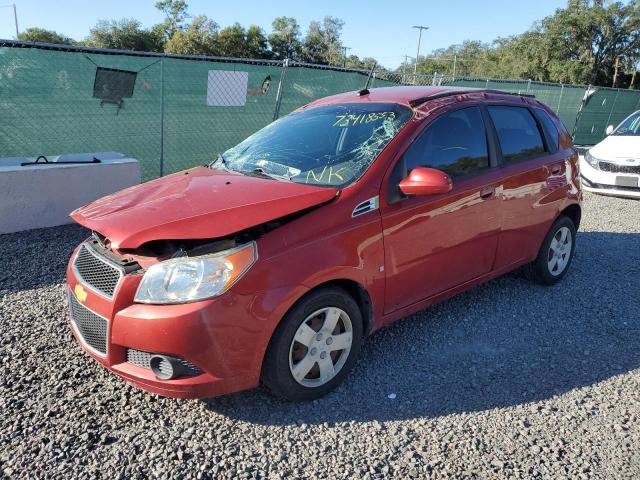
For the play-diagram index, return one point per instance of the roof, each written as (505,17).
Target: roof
(407,95)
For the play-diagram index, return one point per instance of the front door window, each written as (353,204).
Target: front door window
(455,143)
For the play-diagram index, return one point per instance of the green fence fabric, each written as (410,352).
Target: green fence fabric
(182,113)
(195,132)
(604,107)
(47,106)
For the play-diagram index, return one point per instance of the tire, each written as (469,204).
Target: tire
(294,347)
(543,270)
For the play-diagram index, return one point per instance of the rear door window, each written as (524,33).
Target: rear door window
(517,131)
(456,143)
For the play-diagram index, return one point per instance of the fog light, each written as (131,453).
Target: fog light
(163,367)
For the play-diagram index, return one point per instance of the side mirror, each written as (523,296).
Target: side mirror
(609,130)
(425,181)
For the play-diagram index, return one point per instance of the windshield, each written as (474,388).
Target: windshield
(630,126)
(331,145)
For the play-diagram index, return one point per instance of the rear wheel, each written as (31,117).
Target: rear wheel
(314,347)
(556,254)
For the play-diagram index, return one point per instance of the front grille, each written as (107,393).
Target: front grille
(91,326)
(142,359)
(96,272)
(615,168)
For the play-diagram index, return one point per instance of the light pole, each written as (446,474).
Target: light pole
(15,16)
(419,27)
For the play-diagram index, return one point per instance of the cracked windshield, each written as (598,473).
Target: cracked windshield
(331,145)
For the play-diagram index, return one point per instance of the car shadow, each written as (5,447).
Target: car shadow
(505,343)
(37,258)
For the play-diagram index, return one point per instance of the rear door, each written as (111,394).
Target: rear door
(434,243)
(534,182)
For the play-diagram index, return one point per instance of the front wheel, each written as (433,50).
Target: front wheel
(556,253)
(314,347)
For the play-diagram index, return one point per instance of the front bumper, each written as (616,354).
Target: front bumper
(225,337)
(605,183)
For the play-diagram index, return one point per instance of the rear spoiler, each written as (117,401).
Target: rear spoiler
(450,93)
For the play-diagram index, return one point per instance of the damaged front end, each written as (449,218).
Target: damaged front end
(196,205)
(183,271)
(188,270)
(185,237)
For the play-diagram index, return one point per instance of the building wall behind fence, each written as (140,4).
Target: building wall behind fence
(47,105)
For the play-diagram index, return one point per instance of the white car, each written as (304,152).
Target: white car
(612,167)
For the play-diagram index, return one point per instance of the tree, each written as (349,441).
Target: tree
(285,38)
(588,39)
(256,43)
(314,48)
(322,43)
(231,41)
(175,14)
(332,30)
(198,38)
(35,34)
(586,42)
(125,34)
(353,61)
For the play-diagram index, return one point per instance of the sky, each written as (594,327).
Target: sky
(374,28)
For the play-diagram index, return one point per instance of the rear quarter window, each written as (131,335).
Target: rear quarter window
(518,132)
(550,129)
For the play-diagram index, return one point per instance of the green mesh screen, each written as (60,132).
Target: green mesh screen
(604,107)
(47,103)
(47,106)
(195,132)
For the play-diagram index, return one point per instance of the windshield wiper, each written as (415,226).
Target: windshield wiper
(260,172)
(219,161)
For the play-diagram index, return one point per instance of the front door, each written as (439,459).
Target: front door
(434,243)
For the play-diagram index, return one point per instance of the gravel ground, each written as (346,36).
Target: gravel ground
(508,380)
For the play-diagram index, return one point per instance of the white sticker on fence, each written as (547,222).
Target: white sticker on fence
(226,88)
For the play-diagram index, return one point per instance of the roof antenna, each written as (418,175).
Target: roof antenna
(365,90)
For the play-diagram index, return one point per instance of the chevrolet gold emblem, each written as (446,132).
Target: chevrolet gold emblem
(81,295)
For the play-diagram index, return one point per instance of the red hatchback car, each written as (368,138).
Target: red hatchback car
(273,263)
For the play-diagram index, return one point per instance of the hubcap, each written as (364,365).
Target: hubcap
(559,251)
(320,347)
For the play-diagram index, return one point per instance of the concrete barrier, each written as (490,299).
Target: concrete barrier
(43,195)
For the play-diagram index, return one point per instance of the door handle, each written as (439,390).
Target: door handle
(556,169)
(487,192)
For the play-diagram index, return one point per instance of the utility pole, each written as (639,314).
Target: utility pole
(455,60)
(15,16)
(420,28)
(344,55)
(404,66)
(15,20)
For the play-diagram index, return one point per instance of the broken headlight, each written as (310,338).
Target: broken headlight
(189,279)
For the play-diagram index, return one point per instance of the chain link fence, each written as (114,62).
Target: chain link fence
(172,112)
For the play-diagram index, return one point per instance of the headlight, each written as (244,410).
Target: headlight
(188,279)
(591,160)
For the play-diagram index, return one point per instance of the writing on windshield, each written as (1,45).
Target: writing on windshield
(330,145)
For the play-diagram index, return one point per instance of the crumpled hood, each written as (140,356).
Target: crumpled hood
(197,203)
(618,149)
